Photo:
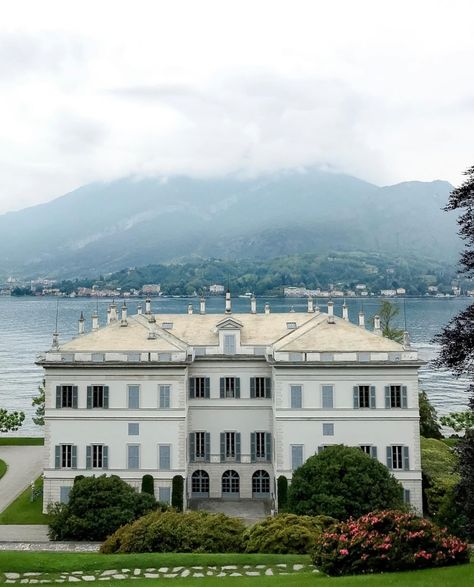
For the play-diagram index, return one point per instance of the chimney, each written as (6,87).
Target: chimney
(292,309)
(253,305)
(317,311)
(139,310)
(267,308)
(190,308)
(202,305)
(377,329)
(95,321)
(108,315)
(330,308)
(345,312)
(310,305)
(152,333)
(81,324)
(361,319)
(123,321)
(228,303)
(148,306)
(113,312)
(406,340)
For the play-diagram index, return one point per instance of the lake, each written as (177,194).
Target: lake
(27,325)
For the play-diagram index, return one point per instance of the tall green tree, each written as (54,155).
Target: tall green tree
(387,312)
(39,402)
(429,427)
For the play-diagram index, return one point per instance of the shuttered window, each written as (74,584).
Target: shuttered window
(165,396)
(97,396)
(396,396)
(296,396)
(398,457)
(230,387)
(260,387)
(199,387)
(327,395)
(66,396)
(229,344)
(296,456)
(364,396)
(65,456)
(133,456)
(133,397)
(164,457)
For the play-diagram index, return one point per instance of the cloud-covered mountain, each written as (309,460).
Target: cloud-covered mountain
(107,226)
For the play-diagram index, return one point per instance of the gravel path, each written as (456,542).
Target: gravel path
(25,464)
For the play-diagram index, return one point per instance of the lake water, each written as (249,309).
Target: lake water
(26,326)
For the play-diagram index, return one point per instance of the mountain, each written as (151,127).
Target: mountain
(103,227)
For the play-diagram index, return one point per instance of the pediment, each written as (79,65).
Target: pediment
(229,324)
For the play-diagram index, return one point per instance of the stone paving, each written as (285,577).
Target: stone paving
(156,573)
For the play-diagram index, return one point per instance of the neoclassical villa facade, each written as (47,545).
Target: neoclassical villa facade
(230,402)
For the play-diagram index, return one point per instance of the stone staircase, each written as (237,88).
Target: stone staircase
(249,511)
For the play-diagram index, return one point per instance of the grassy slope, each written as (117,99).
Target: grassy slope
(22,441)
(439,461)
(25,511)
(3,468)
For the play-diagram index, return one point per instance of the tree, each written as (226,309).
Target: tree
(148,484)
(387,313)
(459,421)
(39,402)
(457,347)
(429,427)
(10,421)
(341,482)
(177,493)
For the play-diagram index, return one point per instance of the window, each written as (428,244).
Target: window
(328,429)
(164,494)
(295,356)
(364,396)
(259,350)
(97,396)
(97,456)
(165,393)
(65,456)
(199,446)
(164,457)
(199,387)
(230,446)
(296,456)
(133,428)
(167,325)
(396,396)
(230,483)
(296,396)
(260,484)
(397,457)
(66,396)
(166,357)
(364,357)
(64,492)
(291,325)
(229,344)
(260,387)
(327,394)
(260,446)
(133,397)
(200,484)
(406,496)
(230,387)
(369,449)
(200,351)
(327,357)
(133,456)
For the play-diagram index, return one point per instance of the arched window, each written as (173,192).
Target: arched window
(200,484)
(260,484)
(230,484)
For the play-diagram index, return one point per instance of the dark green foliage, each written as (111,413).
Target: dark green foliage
(10,421)
(282,493)
(177,493)
(429,427)
(148,485)
(97,507)
(387,313)
(39,402)
(172,531)
(386,541)
(342,482)
(464,491)
(78,478)
(286,534)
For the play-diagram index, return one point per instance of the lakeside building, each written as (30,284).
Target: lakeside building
(230,402)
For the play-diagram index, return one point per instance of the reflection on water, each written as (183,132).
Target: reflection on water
(26,325)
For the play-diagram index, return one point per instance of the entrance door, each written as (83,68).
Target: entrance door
(260,485)
(230,485)
(200,484)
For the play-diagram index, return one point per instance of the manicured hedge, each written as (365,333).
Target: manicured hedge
(177,493)
(148,485)
(282,493)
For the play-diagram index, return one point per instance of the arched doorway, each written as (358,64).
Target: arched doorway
(230,484)
(260,484)
(200,484)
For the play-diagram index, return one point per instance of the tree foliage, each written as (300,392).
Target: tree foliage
(10,421)
(459,421)
(39,402)
(387,312)
(429,427)
(340,482)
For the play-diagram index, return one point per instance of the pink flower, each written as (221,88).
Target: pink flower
(344,551)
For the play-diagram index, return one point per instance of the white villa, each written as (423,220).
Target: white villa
(229,402)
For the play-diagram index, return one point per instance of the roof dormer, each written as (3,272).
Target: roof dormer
(229,336)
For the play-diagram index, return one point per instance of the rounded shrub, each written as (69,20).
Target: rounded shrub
(286,534)
(386,541)
(148,485)
(173,531)
(341,482)
(282,492)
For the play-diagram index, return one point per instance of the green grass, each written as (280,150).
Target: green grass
(22,441)
(25,511)
(451,442)
(3,468)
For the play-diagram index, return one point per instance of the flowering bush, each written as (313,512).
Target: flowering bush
(386,541)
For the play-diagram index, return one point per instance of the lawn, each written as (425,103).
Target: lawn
(3,468)
(22,441)
(25,511)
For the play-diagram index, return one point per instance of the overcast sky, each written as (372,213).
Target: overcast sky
(97,90)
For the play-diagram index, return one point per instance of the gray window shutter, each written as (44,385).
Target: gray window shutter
(268,387)
(222,447)
(88,457)
(57,457)
(406,496)
(268,446)
(252,387)
(192,449)
(106,396)
(105,457)
(253,457)
(58,396)
(222,388)
(207,440)
(355,391)
(192,387)
(406,460)
(404,396)
(237,447)
(372,397)
(387,397)
(207,387)
(373,452)
(89,397)
(237,387)
(74,396)
(74,457)
(165,457)
(389,457)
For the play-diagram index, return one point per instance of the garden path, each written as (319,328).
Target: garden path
(25,464)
